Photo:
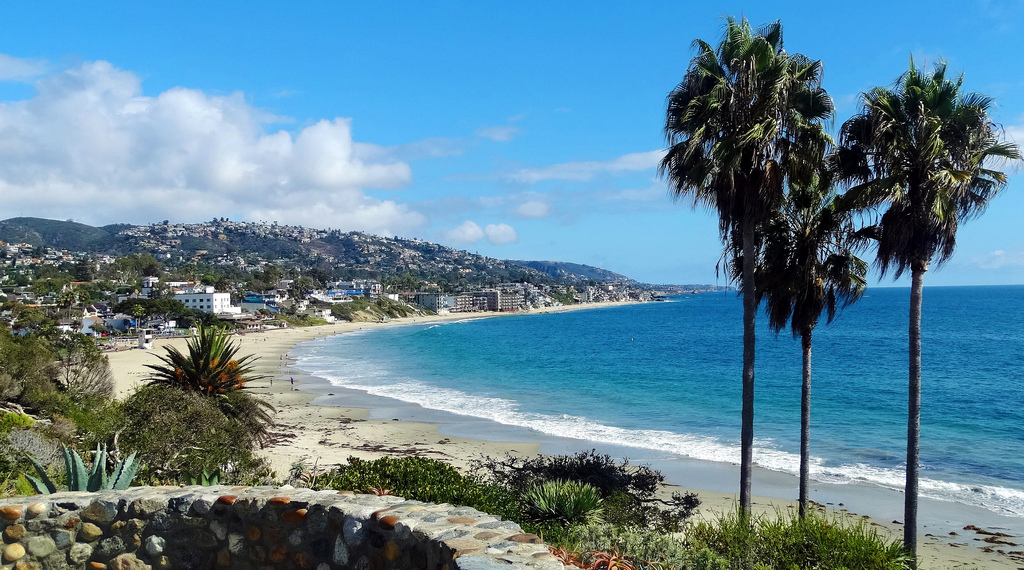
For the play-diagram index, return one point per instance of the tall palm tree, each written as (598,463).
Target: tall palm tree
(929,154)
(746,117)
(808,265)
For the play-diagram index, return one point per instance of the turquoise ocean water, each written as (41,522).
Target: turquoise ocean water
(665,377)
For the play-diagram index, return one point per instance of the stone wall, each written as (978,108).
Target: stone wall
(258,527)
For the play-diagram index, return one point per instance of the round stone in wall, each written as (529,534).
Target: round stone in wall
(13,552)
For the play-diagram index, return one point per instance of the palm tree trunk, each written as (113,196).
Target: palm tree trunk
(749,313)
(914,414)
(805,421)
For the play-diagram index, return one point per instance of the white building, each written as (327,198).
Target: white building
(208,300)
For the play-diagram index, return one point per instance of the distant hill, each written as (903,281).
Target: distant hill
(343,255)
(574,271)
(59,234)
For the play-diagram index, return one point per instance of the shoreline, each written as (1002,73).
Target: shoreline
(324,425)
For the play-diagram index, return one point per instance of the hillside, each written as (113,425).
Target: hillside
(59,234)
(574,271)
(333,253)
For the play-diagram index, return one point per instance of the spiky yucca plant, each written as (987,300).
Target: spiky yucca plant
(210,366)
(568,502)
(82,479)
(212,369)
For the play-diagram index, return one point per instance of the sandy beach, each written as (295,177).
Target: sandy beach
(327,435)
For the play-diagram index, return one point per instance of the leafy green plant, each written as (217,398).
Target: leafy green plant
(212,369)
(647,549)
(209,368)
(565,502)
(206,478)
(785,541)
(12,420)
(422,479)
(628,491)
(177,431)
(81,479)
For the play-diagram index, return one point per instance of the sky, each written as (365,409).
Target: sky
(526,130)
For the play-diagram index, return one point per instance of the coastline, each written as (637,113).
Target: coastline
(323,425)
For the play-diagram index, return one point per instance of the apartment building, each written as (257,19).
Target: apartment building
(207,299)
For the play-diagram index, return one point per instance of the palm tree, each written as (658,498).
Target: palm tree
(746,117)
(808,265)
(929,153)
(210,368)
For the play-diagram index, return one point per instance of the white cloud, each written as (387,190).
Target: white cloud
(468,232)
(583,171)
(501,133)
(533,209)
(91,146)
(999,259)
(499,234)
(20,69)
(471,232)
(437,147)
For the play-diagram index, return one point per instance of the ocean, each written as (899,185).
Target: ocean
(663,380)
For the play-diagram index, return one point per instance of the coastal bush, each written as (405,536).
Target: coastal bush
(645,548)
(422,479)
(12,420)
(90,415)
(348,310)
(26,366)
(82,369)
(627,491)
(785,541)
(16,447)
(564,502)
(176,431)
(392,309)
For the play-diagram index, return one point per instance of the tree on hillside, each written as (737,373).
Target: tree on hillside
(82,368)
(929,154)
(746,118)
(809,265)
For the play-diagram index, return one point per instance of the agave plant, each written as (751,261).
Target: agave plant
(568,502)
(566,557)
(206,478)
(613,560)
(210,366)
(81,479)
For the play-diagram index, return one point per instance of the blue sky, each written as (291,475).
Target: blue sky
(516,130)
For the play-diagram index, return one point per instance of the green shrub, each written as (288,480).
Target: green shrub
(91,415)
(646,548)
(347,310)
(12,420)
(177,431)
(563,502)
(422,479)
(628,491)
(785,541)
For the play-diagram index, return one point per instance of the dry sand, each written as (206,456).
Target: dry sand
(328,435)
